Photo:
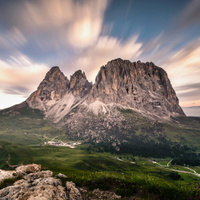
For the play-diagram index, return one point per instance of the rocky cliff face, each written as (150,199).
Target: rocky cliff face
(54,86)
(79,84)
(143,87)
(37,184)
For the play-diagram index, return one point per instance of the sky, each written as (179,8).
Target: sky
(36,35)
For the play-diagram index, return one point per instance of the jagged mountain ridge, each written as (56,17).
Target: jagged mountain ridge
(143,87)
(138,85)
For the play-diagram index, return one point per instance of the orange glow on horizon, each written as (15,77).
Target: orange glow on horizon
(190,103)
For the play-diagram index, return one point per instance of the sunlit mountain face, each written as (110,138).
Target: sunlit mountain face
(85,34)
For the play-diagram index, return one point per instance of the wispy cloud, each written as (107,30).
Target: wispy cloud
(173,36)
(106,48)
(42,30)
(189,94)
(73,34)
(182,63)
(20,75)
(189,16)
(185,63)
(76,23)
(183,68)
(8,100)
(188,87)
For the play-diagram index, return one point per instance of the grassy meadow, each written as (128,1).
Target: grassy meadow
(22,138)
(106,171)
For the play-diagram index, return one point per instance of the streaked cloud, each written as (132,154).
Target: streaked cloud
(76,23)
(10,41)
(106,49)
(75,35)
(188,87)
(182,62)
(86,25)
(189,16)
(38,28)
(183,68)
(192,111)
(159,47)
(189,94)
(19,77)
(185,63)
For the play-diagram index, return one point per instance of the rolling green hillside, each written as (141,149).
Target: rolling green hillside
(148,159)
(136,134)
(126,175)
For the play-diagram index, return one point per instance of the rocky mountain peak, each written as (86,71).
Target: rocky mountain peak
(53,87)
(76,78)
(142,86)
(54,74)
(79,85)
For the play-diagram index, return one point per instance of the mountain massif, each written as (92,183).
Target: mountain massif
(143,87)
(125,98)
(126,133)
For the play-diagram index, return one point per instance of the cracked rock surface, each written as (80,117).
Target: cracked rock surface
(40,185)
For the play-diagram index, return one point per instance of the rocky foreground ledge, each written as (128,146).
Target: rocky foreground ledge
(34,184)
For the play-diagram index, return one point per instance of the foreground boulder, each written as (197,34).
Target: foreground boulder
(40,185)
(36,185)
(24,169)
(74,193)
(19,171)
(41,188)
(6,175)
(98,194)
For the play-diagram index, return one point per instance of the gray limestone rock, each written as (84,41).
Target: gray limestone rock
(79,84)
(54,86)
(74,193)
(38,185)
(142,86)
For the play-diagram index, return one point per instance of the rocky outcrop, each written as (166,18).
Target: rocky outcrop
(79,84)
(74,193)
(98,194)
(142,86)
(57,89)
(25,169)
(6,175)
(40,185)
(60,175)
(40,188)
(19,171)
(54,86)
(37,184)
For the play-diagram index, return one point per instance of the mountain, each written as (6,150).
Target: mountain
(143,87)
(131,107)
(125,126)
